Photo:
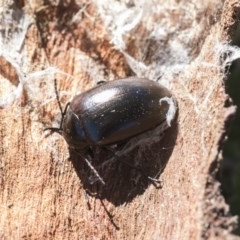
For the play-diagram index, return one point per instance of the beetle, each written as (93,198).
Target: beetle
(113,112)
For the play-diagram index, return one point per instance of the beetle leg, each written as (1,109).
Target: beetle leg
(100,82)
(94,170)
(109,215)
(154,181)
(90,166)
(53,129)
(87,199)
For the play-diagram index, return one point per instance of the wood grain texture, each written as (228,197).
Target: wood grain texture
(42,193)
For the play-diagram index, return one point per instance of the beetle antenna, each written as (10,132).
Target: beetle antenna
(74,150)
(63,113)
(57,96)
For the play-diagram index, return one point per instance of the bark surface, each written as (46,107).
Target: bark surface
(80,43)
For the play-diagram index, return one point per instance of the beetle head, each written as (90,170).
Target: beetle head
(70,128)
(73,132)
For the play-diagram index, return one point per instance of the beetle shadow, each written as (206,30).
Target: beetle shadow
(122,182)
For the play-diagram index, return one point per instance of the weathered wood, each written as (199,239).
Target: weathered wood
(42,193)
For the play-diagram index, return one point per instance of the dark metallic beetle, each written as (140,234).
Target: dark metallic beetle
(113,112)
